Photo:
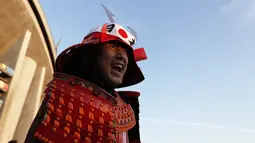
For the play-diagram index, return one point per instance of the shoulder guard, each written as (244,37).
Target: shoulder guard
(131,97)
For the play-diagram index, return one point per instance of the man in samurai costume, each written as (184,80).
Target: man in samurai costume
(81,104)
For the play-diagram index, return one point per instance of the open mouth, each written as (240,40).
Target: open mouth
(118,67)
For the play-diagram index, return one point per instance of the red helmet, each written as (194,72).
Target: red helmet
(110,32)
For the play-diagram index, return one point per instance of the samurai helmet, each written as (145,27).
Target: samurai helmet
(105,33)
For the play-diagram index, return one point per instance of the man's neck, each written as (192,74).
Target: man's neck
(110,90)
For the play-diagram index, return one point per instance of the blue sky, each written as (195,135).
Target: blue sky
(200,72)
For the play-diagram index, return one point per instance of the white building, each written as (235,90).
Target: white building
(26,46)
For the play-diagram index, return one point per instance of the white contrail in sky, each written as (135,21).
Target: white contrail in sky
(196,124)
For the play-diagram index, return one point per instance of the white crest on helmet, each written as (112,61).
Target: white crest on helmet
(119,31)
(132,31)
(94,29)
(109,14)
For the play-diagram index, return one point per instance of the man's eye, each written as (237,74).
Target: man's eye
(114,47)
(110,46)
(123,49)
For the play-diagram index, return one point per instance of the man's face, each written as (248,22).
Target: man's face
(113,63)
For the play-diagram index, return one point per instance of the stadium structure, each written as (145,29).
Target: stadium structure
(27,55)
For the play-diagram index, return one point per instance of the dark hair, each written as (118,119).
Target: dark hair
(83,61)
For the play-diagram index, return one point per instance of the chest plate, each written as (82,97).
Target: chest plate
(80,112)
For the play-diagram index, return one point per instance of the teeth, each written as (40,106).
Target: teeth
(118,67)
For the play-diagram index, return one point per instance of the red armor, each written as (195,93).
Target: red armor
(80,112)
